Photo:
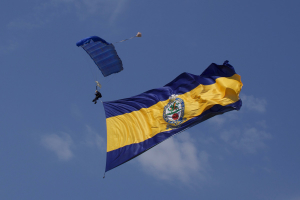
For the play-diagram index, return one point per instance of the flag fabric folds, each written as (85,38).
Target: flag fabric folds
(136,124)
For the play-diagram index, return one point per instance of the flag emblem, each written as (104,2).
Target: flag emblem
(174,111)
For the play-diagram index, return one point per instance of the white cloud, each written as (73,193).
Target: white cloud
(288,197)
(94,139)
(9,46)
(250,103)
(249,140)
(85,8)
(24,24)
(37,17)
(118,10)
(75,111)
(46,12)
(175,159)
(296,198)
(60,145)
(253,103)
(220,120)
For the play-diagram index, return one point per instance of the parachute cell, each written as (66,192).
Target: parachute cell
(103,53)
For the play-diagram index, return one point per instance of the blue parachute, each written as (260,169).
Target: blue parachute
(104,54)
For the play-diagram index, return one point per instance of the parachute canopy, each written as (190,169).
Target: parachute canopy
(103,53)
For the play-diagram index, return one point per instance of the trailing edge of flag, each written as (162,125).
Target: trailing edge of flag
(136,124)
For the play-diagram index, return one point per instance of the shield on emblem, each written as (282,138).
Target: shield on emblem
(174,111)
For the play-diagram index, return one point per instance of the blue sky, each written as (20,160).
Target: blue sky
(53,138)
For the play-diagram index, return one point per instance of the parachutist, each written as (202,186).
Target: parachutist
(98,95)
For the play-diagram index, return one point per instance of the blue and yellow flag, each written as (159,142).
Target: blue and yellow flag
(137,124)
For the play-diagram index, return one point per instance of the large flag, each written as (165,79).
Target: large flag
(136,124)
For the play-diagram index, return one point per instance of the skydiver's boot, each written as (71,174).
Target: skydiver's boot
(95,100)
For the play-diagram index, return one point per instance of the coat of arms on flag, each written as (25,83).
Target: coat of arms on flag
(174,112)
